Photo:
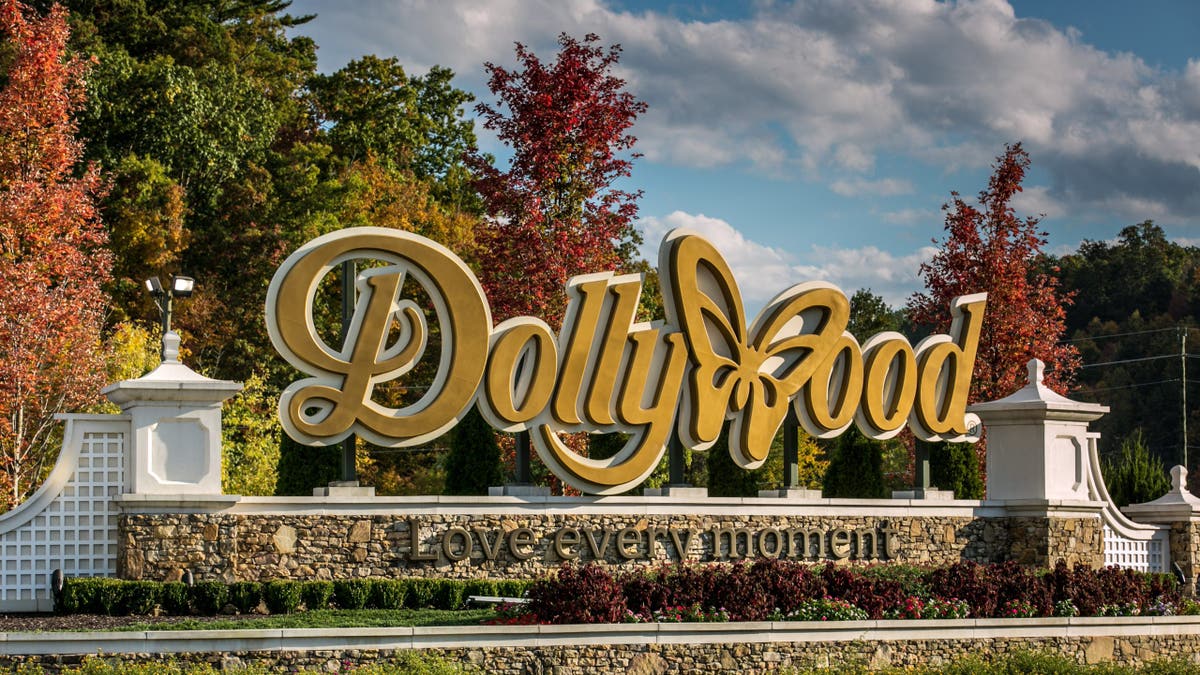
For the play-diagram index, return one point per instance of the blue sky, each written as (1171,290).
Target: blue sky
(817,140)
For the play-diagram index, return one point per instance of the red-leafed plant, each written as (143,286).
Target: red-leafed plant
(554,213)
(988,248)
(53,262)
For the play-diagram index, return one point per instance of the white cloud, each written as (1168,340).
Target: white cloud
(819,86)
(1037,201)
(885,187)
(912,217)
(763,271)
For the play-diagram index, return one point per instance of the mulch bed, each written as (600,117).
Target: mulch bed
(16,623)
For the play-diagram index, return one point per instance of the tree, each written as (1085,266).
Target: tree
(554,212)
(250,436)
(988,248)
(855,468)
(955,467)
(52,257)
(1135,475)
(870,314)
(473,464)
(1136,298)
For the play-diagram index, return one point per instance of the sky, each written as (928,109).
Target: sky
(819,139)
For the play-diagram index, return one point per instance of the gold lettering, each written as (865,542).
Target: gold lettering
(890,382)
(464,544)
(702,367)
(626,538)
(583,318)
(565,541)
(944,365)
(517,342)
(343,379)
(518,539)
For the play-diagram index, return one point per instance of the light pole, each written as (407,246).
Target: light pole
(181,287)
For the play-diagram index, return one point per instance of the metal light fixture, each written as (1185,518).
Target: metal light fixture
(181,287)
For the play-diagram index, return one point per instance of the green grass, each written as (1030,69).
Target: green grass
(330,618)
(1013,663)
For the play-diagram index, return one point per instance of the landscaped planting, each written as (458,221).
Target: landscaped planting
(778,590)
(116,597)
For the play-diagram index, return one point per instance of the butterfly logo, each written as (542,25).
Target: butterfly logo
(747,376)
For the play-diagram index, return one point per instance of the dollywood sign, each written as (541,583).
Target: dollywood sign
(604,371)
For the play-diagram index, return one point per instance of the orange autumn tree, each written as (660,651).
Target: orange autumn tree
(988,248)
(53,260)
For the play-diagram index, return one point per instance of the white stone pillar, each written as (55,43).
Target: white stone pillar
(1037,443)
(176,420)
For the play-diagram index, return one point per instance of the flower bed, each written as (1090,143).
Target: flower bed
(776,590)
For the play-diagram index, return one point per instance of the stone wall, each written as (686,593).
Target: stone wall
(653,659)
(1185,549)
(250,546)
(1041,541)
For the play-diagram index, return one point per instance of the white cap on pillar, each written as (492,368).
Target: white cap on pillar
(1037,443)
(176,418)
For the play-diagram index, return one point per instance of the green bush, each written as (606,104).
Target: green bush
(245,595)
(449,594)
(955,466)
(1135,475)
(90,595)
(173,596)
(512,588)
(282,596)
(316,594)
(208,597)
(352,593)
(485,587)
(420,593)
(139,597)
(389,593)
(855,468)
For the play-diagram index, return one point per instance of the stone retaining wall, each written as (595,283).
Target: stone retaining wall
(726,648)
(230,546)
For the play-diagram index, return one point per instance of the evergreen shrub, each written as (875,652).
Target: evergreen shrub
(282,596)
(245,595)
(316,594)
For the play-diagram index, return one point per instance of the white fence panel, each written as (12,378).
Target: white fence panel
(70,523)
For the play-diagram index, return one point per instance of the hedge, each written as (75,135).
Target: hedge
(97,595)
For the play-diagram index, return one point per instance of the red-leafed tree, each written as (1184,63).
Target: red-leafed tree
(988,248)
(53,262)
(554,213)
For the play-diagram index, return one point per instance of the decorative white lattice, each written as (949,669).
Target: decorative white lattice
(1145,555)
(75,529)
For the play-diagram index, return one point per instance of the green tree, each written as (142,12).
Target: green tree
(727,479)
(1136,299)
(473,463)
(304,467)
(870,314)
(955,466)
(1134,475)
(250,435)
(855,468)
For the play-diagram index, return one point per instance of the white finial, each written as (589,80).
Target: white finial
(1178,478)
(171,347)
(1037,371)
